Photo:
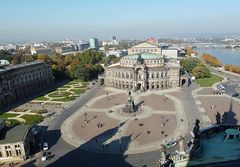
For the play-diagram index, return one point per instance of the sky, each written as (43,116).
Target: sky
(126,19)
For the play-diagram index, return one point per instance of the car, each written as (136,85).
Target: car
(45,146)
(233,94)
(44,156)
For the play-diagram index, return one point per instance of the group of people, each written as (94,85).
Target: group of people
(99,125)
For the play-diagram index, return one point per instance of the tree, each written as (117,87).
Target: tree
(212,60)
(232,68)
(201,72)
(5,55)
(189,51)
(189,64)
(29,58)
(43,57)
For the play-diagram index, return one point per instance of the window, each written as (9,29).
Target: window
(0,154)
(8,151)
(18,150)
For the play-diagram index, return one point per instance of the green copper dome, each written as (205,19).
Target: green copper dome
(143,56)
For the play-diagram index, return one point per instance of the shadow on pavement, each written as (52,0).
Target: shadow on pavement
(101,155)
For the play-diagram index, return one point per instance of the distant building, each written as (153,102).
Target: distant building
(64,49)
(153,41)
(19,81)
(93,43)
(145,48)
(117,53)
(83,46)
(47,51)
(16,143)
(114,41)
(171,53)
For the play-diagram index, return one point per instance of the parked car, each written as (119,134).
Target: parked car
(45,146)
(233,94)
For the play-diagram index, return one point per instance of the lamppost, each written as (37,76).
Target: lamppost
(119,139)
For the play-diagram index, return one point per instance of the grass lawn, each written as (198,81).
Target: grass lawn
(77,91)
(62,94)
(32,119)
(8,115)
(12,122)
(42,98)
(208,82)
(65,99)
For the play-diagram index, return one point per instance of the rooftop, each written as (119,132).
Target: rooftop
(214,149)
(144,56)
(12,67)
(15,134)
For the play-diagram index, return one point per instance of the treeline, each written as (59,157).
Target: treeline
(195,67)
(232,68)
(212,60)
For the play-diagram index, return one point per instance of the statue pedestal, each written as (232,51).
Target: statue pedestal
(129,108)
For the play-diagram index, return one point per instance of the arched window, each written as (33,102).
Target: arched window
(152,75)
(161,74)
(157,76)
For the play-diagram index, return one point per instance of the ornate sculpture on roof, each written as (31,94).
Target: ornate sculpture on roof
(140,59)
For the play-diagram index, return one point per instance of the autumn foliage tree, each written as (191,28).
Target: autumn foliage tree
(201,71)
(212,60)
(232,68)
(189,51)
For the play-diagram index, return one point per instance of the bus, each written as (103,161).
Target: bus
(221,87)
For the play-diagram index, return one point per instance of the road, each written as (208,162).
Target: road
(232,83)
(67,155)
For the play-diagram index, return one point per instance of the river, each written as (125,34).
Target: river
(226,56)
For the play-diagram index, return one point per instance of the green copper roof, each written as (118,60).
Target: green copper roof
(144,56)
